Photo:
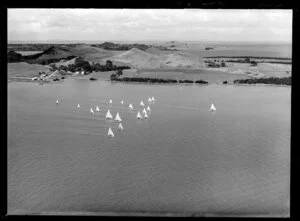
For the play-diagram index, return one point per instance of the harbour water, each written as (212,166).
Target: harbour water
(183,158)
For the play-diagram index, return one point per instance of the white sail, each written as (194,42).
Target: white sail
(148,109)
(110,101)
(145,115)
(110,133)
(57,102)
(108,115)
(118,118)
(122,102)
(142,103)
(213,108)
(149,100)
(130,106)
(153,99)
(144,111)
(120,126)
(92,111)
(97,108)
(78,106)
(139,116)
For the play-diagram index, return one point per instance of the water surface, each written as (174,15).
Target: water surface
(183,158)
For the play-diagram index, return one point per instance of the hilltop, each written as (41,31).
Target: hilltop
(154,58)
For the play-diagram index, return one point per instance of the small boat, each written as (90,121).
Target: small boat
(92,111)
(78,106)
(149,100)
(148,109)
(110,133)
(142,104)
(153,99)
(121,126)
(139,116)
(212,108)
(110,101)
(57,102)
(144,111)
(122,102)
(108,115)
(130,106)
(145,115)
(97,108)
(118,118)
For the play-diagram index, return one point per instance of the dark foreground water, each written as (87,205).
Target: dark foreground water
(183,158)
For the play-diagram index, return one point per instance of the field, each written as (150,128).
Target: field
(23,71)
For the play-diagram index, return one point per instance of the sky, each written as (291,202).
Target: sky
(149,25)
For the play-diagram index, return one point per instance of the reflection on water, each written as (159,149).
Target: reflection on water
(183,158)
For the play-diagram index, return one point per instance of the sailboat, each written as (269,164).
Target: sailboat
(110,101)
(121,126)
(118,118)
(57,102)
(78,106)
(148,109)
(144,111)
(110,133)
(92,111)
(149,100)
(130,106)
(108,115)
(139,116)
(212,108)
(153,99)
(142,104)
(146,115)
(97,108)
(122,102)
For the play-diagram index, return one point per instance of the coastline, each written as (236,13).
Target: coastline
(146,83)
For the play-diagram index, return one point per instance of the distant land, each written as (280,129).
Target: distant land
(221,60)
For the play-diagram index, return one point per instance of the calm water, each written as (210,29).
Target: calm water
(183,158)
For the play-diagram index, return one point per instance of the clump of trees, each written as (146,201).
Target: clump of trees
(140,79)
(271,80)
(116,77)
(82,65)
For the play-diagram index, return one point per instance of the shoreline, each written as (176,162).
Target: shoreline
(146,83)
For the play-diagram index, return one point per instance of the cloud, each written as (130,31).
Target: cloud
(148,24)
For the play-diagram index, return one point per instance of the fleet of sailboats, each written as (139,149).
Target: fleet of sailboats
(139,115)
